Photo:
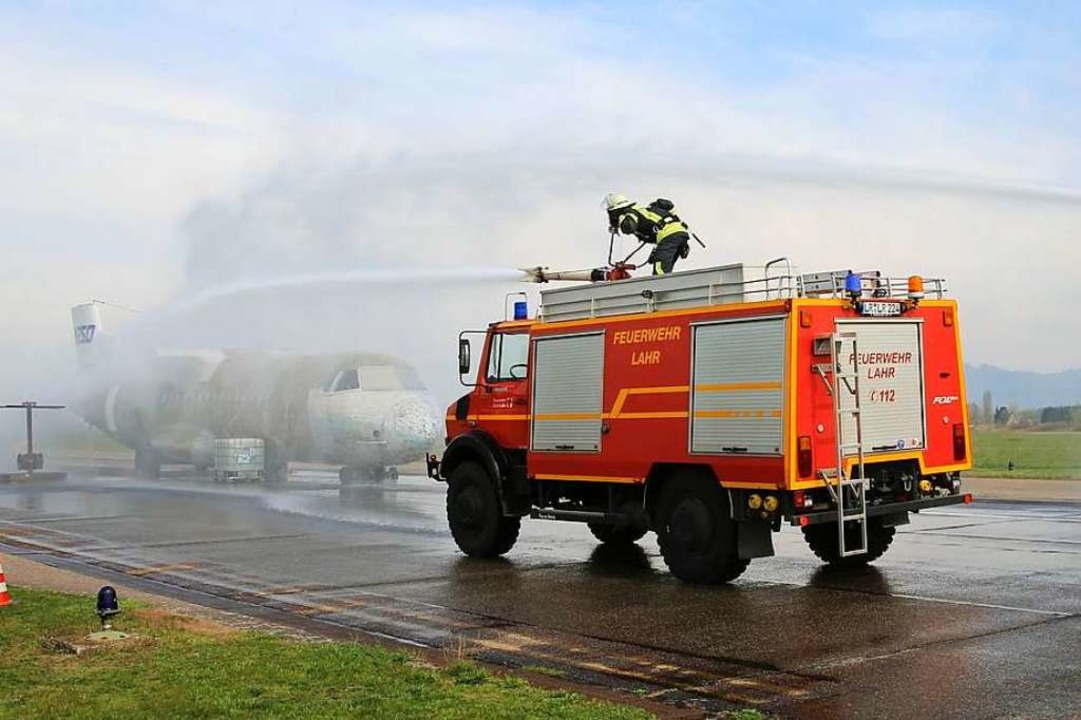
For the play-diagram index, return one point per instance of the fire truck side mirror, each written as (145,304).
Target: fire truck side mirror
(463,356)
(465,353)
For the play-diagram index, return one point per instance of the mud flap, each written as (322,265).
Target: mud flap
(515,494)
(754,539)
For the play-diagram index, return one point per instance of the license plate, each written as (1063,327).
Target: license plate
(871,308)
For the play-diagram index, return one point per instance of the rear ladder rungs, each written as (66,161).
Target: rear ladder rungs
(844,357)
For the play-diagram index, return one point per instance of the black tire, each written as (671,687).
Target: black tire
(353,475)
(375,473)
(474,514)
(275,464)
(612,535)
(822,539)
(276,475)
(147,464)
(696,534)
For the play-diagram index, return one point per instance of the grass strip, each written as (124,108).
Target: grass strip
(187,668)
(1038,455)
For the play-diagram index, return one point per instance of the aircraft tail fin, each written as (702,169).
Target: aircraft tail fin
(90,341)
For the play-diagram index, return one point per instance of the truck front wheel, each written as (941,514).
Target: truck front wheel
(823,541)
(476,520)
(696,534)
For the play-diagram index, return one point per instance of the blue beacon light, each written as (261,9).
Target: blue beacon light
(853,285)
(521,310)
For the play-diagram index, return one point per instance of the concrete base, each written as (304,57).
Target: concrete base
(83,645)
(107,636)
(38,476)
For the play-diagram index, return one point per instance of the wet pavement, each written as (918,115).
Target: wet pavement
(974,612)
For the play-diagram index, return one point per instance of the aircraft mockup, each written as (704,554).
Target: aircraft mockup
(366,412)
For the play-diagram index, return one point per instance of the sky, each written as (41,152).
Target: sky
(155,150)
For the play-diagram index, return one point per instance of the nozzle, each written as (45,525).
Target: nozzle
(533,275)
(543,275)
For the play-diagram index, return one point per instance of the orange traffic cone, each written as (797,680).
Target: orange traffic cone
(5,596)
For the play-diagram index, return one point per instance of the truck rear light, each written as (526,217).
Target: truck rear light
(801,499)
(804,459)
(968,498)
(959,441)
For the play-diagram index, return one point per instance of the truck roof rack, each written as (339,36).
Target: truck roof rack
(720,285)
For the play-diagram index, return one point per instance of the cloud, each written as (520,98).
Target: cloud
(118,118)
(935,24)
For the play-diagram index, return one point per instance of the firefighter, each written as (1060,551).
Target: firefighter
(656,224)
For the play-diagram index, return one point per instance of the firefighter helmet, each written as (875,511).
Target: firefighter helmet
(615,201)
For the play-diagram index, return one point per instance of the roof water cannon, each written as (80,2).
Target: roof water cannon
(619,271)
(614,270)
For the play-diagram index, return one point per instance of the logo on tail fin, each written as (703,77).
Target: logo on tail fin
(84,334)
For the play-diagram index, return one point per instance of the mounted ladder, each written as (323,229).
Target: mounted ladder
(849,490)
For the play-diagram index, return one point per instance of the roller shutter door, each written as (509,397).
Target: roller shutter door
(738,387)
(567,393)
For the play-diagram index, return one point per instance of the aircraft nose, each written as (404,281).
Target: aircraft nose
(411,428)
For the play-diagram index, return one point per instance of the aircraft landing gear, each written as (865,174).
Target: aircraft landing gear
(276,474)
(275,467)
(147,464)
(351,474)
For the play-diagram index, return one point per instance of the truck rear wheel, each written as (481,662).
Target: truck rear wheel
(612,535)
(822,539)
(476,519)
(696,534)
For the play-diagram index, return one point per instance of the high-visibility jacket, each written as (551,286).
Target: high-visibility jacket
(650,224)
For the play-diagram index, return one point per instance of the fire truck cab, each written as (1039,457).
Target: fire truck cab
(711,407)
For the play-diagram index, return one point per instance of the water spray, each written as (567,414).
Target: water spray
(351,278)
(375,279)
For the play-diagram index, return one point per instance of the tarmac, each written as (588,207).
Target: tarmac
(1025,490)
(974,612)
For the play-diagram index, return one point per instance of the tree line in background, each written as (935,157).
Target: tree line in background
(1053,417)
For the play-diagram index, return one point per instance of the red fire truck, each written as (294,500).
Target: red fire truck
(709,407)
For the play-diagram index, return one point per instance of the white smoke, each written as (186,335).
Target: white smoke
(504,208)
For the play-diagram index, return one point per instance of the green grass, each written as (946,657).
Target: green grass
(1043,455)
(190,669)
